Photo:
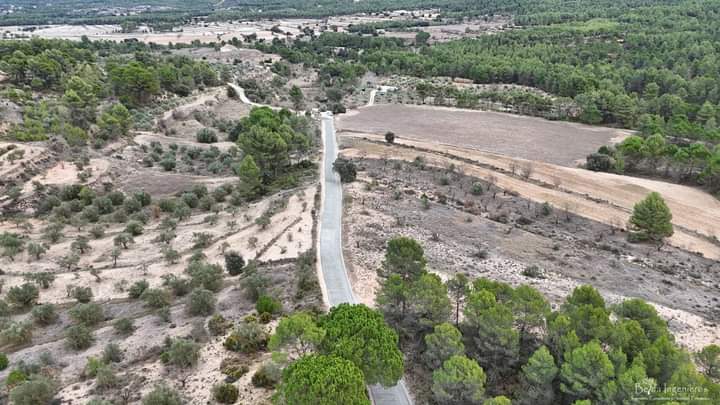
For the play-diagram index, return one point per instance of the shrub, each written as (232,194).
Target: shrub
(23,295)
(88,314)
(131,205)
(208,276)
(97,231)
(112,353)
(79,337)
(181,353)
(42,279)
(179,286)
(190,199)
(138,288)
(265,317)
(248,337)
(4,308)
(92,366)
(36,390)
(218,325)
(201,240)
(267,304)
(234,263)
(168,163)
(162,395)
(599,162)
(15,377)
(82,294)
(106,378)
(170,255)
(143,197)
(156,297)
(134,228)
(546,209)
(225,393)
(201,302)
(267,376)
(346,169)
(123,239)
(124,326)
(533,272)
(477,189)
(164,314)
(4,362)
(167,205)
(16,333)
(206,135)
(390,137)
(233,371)
(44,314)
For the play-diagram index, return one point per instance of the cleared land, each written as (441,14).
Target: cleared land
(601,197)
(498,234)
(561,143)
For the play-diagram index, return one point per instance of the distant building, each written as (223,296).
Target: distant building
(387,89)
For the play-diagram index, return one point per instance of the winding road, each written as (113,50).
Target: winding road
(335,282)
(334,274)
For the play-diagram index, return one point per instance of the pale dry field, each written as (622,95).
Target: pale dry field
(557,142)
(204,31)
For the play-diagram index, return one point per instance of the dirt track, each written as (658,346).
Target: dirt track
(601,197)
(557,142)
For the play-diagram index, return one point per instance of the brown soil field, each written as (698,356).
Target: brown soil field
(601,197)
(557,142)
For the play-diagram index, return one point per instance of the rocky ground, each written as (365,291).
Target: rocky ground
(499,235)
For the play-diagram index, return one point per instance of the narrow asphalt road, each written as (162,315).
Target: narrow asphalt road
(335,278)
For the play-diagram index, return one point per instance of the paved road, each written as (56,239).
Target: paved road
(337,284)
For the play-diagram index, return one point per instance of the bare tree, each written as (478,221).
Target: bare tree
(527,170)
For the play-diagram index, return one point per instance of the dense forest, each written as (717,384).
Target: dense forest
(651,67)
(479,339)
(75,76)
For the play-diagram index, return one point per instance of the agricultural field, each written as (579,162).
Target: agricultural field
(513,135)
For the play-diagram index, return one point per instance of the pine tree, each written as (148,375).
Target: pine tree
(250,177)
(652,218)
(537,378)
(585,371)
(489,324)
(443,343)
(460,381)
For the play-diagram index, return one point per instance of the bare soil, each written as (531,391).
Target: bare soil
(601,197)
(499,234)
(289,234)
(557,142)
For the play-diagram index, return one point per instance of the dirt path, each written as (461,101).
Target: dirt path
(601,197)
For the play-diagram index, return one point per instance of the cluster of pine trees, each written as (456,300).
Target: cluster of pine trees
(479,339)
(76,76)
